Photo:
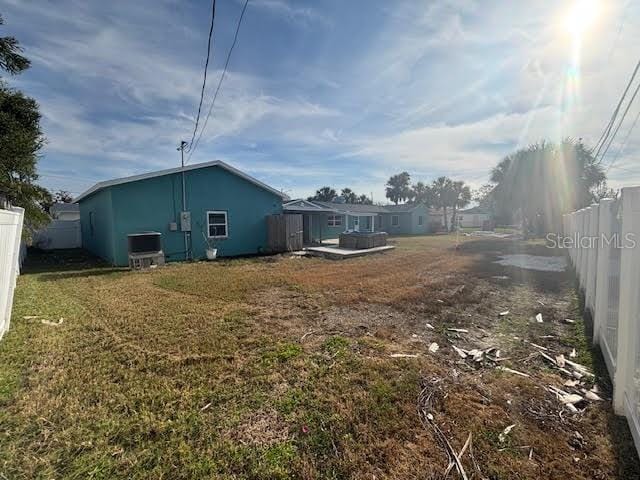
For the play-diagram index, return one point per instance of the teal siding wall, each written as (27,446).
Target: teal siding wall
(404,226)
(153,203)
(320,229)
(416,228)
(96,225)
(408,222)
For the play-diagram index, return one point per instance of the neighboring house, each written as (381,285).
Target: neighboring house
(63,231)
(325,220)
(65,211)
(473,217)
(224,205)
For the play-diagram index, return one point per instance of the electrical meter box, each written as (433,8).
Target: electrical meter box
(185,221)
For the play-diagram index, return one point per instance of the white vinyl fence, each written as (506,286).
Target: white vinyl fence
(11,256)
(605,251)
(59,234)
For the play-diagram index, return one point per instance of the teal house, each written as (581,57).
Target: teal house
(222,206)
(326,220)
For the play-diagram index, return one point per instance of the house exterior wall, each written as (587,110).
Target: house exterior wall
(408,222)
(323,231)
(473,219)
(404,223)
(152,204)
(96,225)
(416,228)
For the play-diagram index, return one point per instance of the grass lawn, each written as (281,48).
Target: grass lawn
(281,367)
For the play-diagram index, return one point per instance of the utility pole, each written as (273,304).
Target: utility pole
(181,148)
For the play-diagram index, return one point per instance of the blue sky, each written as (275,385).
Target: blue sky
(322,92)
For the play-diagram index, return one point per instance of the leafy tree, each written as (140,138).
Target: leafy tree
(422,194)
(603,191)
(545,180)
(364,200)
(482,196)
(11,59)
(460,198)
(442,188)
(398,188)
(62,196)
(324,194)
(20,142)
(349,195)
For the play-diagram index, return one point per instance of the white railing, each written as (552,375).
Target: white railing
(605,252)
(11,256)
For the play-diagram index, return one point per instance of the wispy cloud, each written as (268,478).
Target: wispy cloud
(301,15)
(318,92)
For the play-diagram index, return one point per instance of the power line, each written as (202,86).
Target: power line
(607,129)
(624,143)
(224,71)
(206,66)
(615,132)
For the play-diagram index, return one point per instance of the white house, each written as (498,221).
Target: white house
(65,211)
(473,217)
(64,229)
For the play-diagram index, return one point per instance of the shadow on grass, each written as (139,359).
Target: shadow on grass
(96,272)
(68,263)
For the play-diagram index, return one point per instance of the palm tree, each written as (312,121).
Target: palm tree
(442,188)
(422,194)
(324,194)
(349,195)
(398,187)
(460,198)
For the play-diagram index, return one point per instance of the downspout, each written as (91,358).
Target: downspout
(183,144)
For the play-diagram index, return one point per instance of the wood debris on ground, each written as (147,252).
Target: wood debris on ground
(432,391)
(52,324)
(458,330)
(503,435)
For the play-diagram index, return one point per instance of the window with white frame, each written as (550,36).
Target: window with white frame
(334,220)
(395,220)
(420,220)
(217,225)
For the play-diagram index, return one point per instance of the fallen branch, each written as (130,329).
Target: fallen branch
(425,406)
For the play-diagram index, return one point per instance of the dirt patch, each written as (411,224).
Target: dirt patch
(533,262)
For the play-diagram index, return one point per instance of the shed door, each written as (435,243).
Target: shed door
(306,229)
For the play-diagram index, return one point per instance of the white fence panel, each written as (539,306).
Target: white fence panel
(59,234)
(606,257)
(592,259)
(10,258)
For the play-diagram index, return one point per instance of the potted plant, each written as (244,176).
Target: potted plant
(211,249)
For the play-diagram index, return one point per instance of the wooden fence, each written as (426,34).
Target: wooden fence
(284,233)
(11,255)
(604,247)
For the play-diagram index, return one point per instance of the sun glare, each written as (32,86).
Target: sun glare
(581,16)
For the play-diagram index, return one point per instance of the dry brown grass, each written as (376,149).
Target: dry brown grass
(281,368)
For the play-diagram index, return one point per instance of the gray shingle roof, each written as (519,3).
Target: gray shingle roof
(352,207)
(307,206)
